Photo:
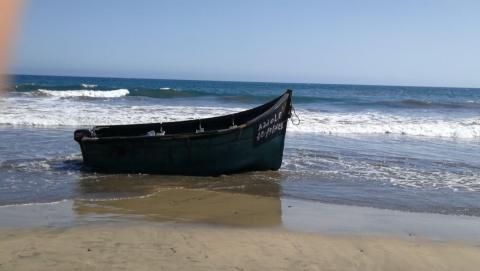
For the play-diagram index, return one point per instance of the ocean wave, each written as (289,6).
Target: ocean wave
(418,104)
(166,92)
(32,87)
(301,96)
(36,203)
(69,112)
(301,163)
(384,123)
(169,92)
(63,163)
(86,93)
(89,85)
(87,90)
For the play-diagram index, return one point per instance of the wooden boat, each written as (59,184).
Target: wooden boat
(245,141)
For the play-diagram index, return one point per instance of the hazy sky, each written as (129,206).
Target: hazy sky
(402,42)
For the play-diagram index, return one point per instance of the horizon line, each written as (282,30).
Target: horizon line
(239,81)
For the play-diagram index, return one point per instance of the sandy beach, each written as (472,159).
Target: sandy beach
(144,247)
(198,229)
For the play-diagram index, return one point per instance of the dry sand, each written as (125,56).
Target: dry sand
(148,247)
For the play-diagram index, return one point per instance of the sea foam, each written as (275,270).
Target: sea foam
(86,93)
(89,85)
(384,123)
(50,111)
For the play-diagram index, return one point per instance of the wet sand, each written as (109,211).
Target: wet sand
(191,205)
(201,229)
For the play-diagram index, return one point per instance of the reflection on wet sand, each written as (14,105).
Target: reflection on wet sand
(250,200)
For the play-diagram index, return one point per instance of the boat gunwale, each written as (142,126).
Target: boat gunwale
(280,100)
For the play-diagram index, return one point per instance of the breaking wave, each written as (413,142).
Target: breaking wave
(418,104)
(384,123)
(86,93)
(457,100)
(89,85)
(68,112)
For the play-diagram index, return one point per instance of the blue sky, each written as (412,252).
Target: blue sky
(422,42)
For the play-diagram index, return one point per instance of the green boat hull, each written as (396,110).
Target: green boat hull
(255,145)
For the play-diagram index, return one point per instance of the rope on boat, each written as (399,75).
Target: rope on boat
(296,116)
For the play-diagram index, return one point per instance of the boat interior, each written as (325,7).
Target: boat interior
(184,127)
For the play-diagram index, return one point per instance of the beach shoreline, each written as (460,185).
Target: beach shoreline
(199,207)
(198,229)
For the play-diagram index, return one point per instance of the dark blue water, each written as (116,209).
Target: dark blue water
(347,96)
(407,148)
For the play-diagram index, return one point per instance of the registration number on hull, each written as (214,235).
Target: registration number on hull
(270,126)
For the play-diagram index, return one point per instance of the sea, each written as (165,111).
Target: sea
(406,148)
